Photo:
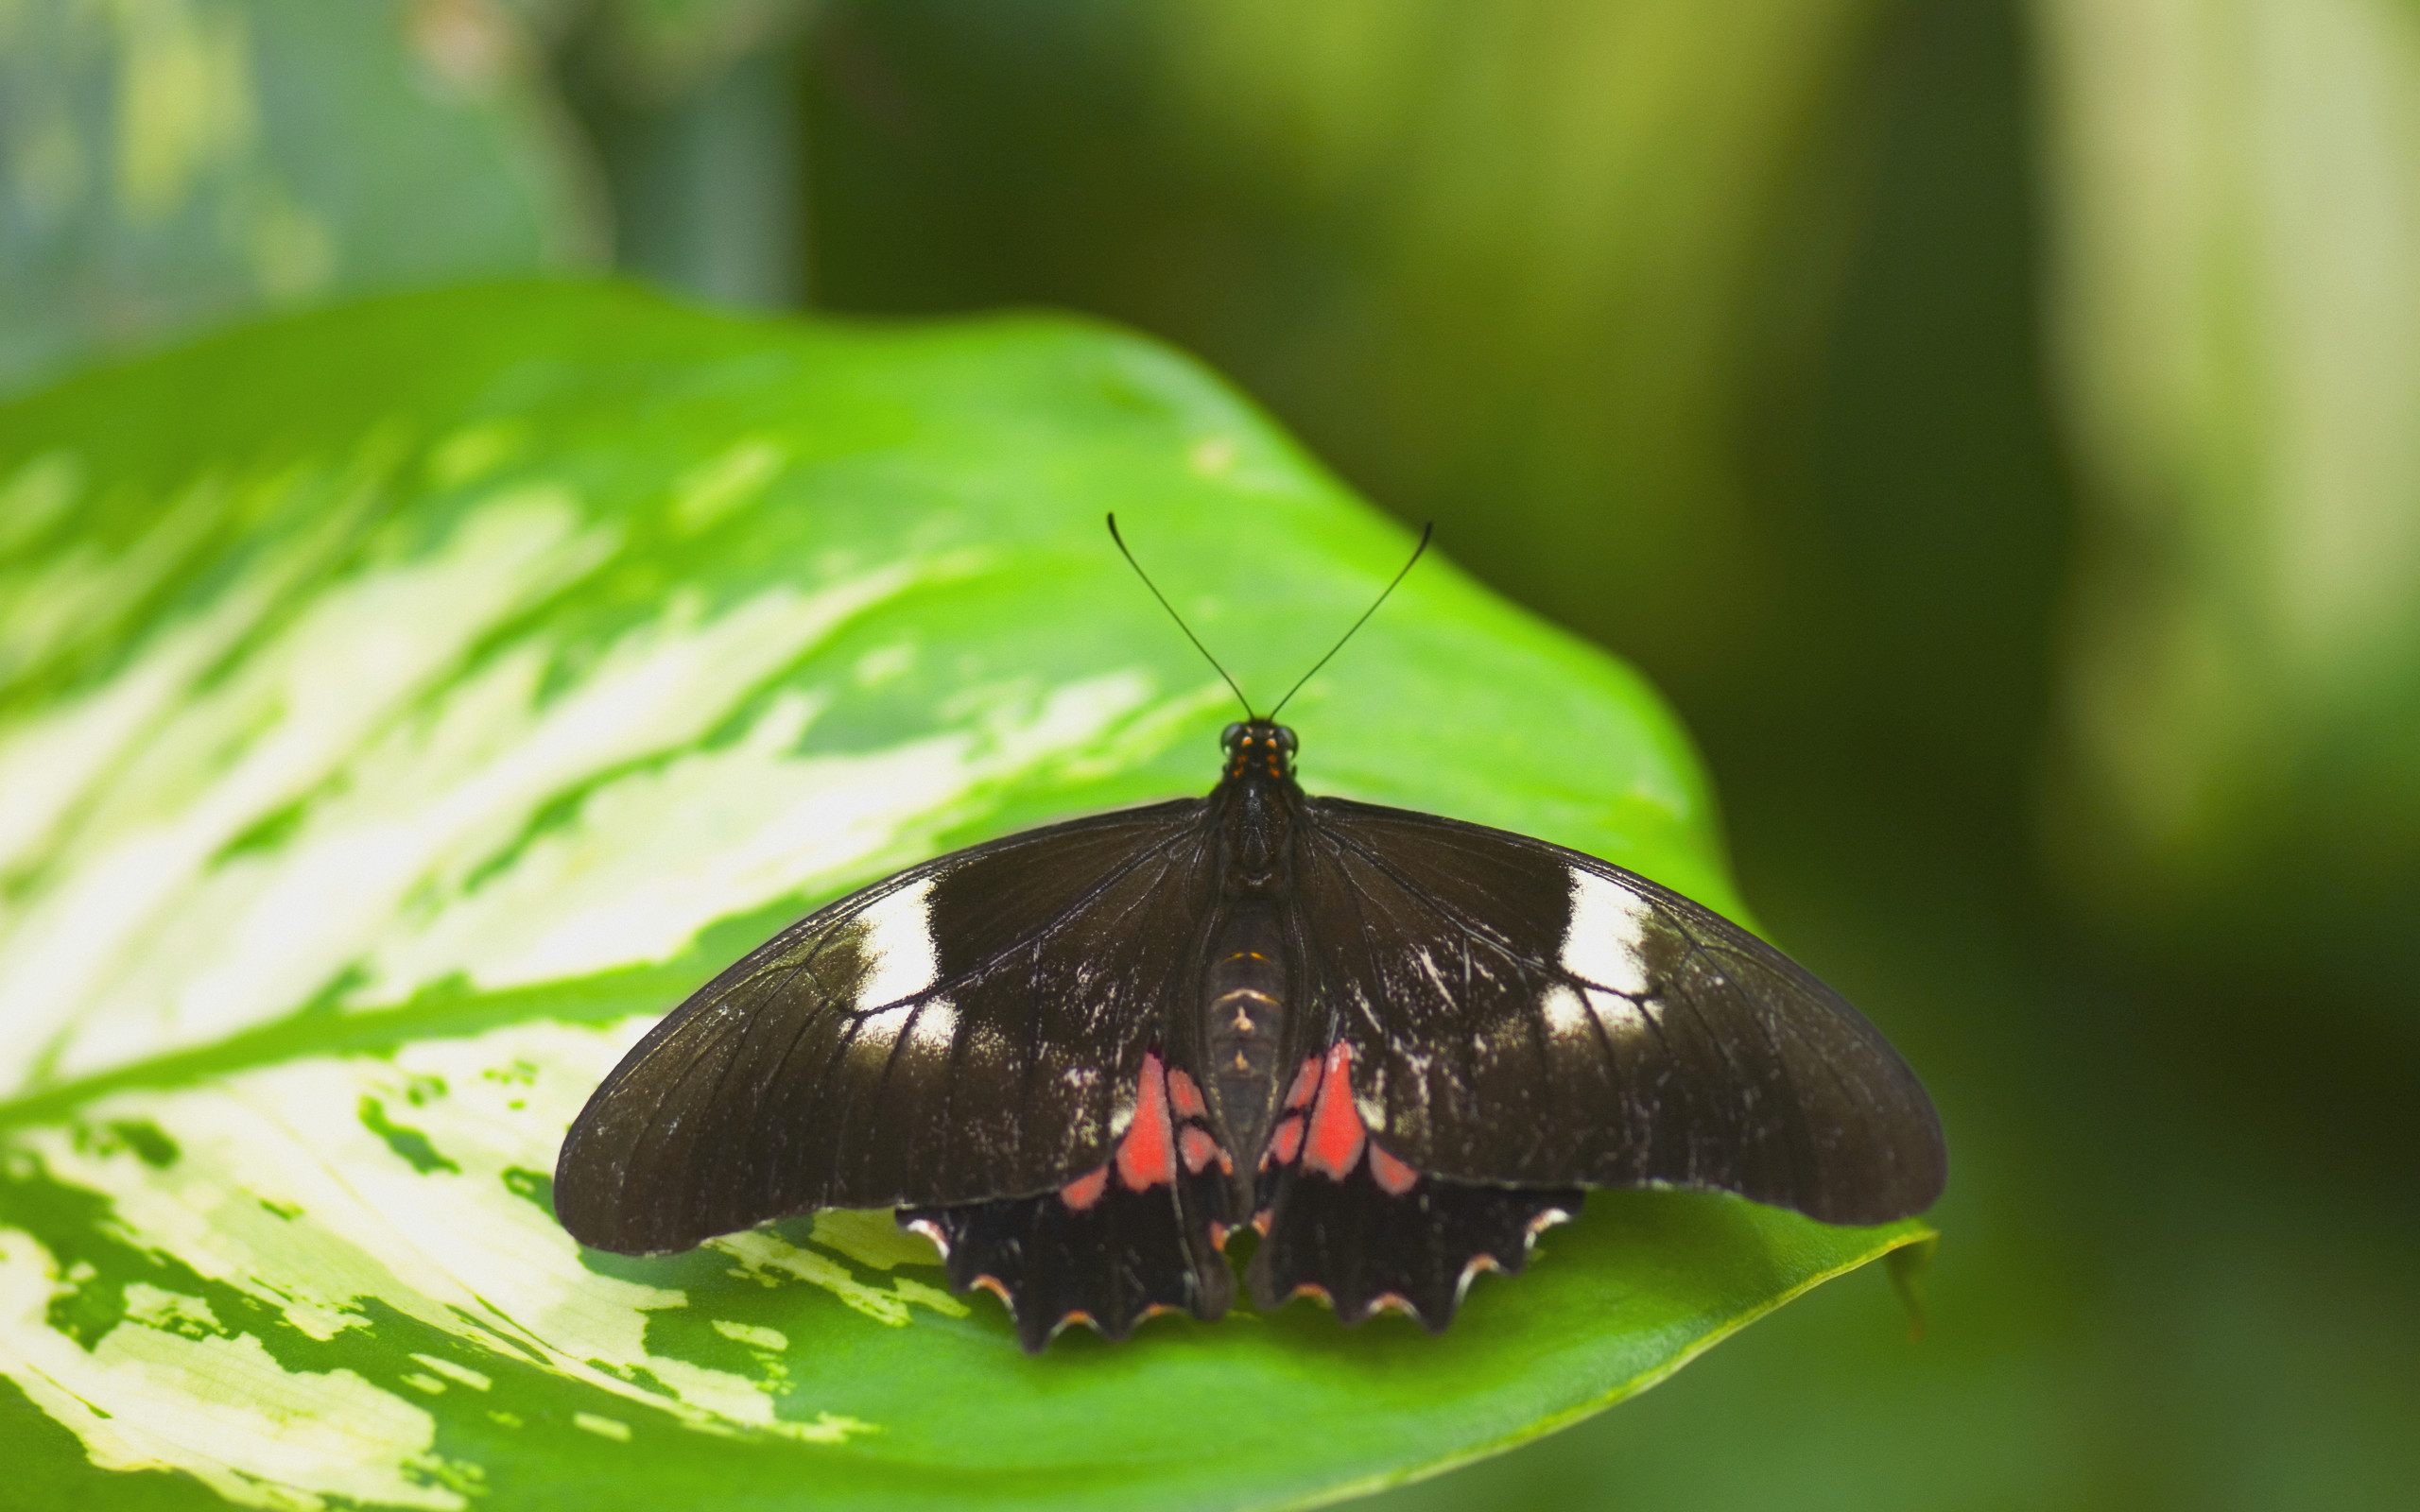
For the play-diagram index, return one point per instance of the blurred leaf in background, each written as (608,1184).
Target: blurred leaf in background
(170,164)
(1500,262)
(692,108)
(2237,189)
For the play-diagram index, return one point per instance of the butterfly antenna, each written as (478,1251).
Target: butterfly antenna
(1425,531)
(1179,619)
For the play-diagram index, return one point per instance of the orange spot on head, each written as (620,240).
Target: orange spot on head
(1394,1178)
(1085,1189)
(1337,1136)
(1185,1097)
(1199,1148)
(1147,1155)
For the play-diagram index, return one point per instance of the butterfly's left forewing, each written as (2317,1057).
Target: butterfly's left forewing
(972,1029)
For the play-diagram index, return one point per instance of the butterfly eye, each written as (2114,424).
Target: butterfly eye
(1228,737)
(1286,739)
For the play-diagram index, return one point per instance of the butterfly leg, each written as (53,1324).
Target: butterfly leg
(1130,1239)
(1345,1220)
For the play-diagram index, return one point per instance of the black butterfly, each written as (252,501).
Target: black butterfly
(1397,1045)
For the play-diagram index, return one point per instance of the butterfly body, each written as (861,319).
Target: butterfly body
(1396,1045)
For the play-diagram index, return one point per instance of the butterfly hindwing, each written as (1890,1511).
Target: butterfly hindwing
(1523,1015)
(1346,1219)
(1140,1233)
(969,1030)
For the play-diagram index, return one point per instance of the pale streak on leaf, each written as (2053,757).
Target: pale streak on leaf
(288,718)
(278,1191)
(770,1259)
(873,1238)
(655,856)
(216,1407)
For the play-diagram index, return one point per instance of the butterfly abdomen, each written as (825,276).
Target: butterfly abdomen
(1244,1005)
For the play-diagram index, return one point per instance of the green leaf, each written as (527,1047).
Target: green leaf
(404,705)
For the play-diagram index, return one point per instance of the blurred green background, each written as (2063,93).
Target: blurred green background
(1996,425)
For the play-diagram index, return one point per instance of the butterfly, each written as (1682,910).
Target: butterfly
(1396,1045)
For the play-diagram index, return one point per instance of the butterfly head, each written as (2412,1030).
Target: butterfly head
(1260,747)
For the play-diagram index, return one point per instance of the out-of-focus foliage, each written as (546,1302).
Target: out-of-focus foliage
(1992,420)
(661,51)
(166,164)
(2236,192)
(1501,260)
(2181,1176)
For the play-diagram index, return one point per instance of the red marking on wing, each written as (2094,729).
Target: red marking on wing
(997,1288)
(1284,1141)
(1199,1147)
(1185,1097)
(1148,1154)
(1306,1082)
(1085,1189)
(1337,1137)
(1394,1178)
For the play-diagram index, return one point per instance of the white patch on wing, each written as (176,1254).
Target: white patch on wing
(1608,924)
(935,1027)
(1620,1018)
(898,941)
(1565,1012)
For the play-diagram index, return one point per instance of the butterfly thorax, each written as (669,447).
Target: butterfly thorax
(1245,991)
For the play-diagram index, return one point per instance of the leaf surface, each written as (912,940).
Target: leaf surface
(402,706)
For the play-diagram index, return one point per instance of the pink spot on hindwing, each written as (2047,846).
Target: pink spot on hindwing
(1185,1097)
(1085,1189)
(1147,1156)
(1336,1135)
(1306,1082)
(1284,1141)
(1393,1176)
(1199,1147)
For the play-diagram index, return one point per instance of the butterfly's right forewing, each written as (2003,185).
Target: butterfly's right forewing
(969,1029)
(1525,1015)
